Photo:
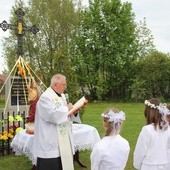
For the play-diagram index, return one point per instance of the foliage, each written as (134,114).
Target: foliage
(154,70)
(56,19)
(144,39)
(107,46)
(138,89)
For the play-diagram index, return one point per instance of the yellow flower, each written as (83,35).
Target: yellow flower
(5,132)
(10,118)
(11,131)
(18,129)
(4,137)
(18,118)
(10,135)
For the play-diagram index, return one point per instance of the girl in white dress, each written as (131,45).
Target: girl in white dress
(111,153)
(151,148)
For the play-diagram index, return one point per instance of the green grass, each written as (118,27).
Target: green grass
(130,131)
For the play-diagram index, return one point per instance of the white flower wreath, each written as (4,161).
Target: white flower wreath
(163,110)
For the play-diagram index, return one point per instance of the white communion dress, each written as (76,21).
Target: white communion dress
(151,152)
(111,153)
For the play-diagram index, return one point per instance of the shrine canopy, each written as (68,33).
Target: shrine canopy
(16,86)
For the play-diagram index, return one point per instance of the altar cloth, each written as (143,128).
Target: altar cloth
(84,137)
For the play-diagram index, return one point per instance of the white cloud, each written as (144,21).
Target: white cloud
(157,16)
(5,7)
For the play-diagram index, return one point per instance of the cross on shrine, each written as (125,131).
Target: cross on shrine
(20,27)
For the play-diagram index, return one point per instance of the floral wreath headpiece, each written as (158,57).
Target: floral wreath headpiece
(163,110)
(114,117)
(162,107)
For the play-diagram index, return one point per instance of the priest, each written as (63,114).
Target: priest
(53,141)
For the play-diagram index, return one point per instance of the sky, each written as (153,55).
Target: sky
(156,12)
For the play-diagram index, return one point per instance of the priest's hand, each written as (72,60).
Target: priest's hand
(70,106)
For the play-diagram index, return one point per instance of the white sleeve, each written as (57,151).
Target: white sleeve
(141,148)
(95,158)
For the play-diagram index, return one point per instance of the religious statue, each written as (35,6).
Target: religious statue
(33,96)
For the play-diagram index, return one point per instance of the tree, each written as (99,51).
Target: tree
(144,39)
(155,71)
(105,47)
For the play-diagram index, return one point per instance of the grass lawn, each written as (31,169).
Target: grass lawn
(130,131)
